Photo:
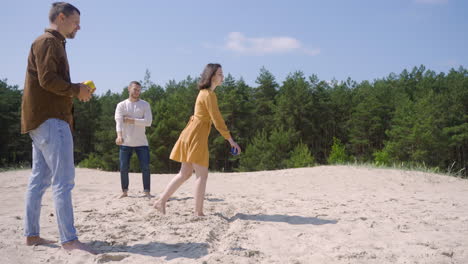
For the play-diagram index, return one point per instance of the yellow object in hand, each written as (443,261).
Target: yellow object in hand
(91,85)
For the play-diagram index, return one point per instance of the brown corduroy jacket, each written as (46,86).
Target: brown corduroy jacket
(48,91)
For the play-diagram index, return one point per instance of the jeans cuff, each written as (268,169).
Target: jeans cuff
(69,240)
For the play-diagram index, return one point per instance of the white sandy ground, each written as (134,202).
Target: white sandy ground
(326,214)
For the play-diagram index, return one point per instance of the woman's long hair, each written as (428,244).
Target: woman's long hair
(208,73)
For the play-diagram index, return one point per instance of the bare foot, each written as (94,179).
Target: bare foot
(124,194)
(76,244)
(161,207)
(37,240)
(147,194)
(199,214)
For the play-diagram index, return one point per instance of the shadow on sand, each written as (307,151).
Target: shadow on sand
(290,219)
(153,249)
(188,198)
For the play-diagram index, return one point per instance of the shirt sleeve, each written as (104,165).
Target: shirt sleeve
(147,117)
(47,62)
(119,117)
(216,117)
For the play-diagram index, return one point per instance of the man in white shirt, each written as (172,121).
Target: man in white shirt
(132,116)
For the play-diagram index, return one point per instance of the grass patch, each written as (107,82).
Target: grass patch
(411,166)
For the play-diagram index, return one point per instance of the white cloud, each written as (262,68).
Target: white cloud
(431,1)
(239,43)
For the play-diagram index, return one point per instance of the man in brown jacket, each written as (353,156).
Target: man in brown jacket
(47,115)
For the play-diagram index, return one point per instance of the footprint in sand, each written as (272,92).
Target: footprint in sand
(108,258)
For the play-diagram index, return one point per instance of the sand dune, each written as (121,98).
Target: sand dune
(326,214)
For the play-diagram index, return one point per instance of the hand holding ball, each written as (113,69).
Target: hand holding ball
(91,85)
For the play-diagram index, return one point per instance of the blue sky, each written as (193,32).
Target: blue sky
(334,39)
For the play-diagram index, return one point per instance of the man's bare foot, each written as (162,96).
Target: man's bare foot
(37,240)
(161,207)
(76,244)
(124,194)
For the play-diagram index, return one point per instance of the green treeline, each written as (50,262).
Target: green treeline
(416,117)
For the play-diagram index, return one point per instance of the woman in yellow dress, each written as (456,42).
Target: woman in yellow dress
(191,149)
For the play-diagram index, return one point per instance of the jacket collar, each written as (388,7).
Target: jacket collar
(56,34)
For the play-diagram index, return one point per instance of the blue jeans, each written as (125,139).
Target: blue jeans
(143,156)
(53,164)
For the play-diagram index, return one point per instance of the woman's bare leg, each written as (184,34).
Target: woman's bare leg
(200,187)
(185,172)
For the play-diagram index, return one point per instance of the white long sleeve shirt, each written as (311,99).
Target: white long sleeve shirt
(133,134)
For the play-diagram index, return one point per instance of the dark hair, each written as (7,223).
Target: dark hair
(134,82)
(208,73)
(61,7)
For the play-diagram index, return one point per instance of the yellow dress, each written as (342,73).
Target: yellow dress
(192,145)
